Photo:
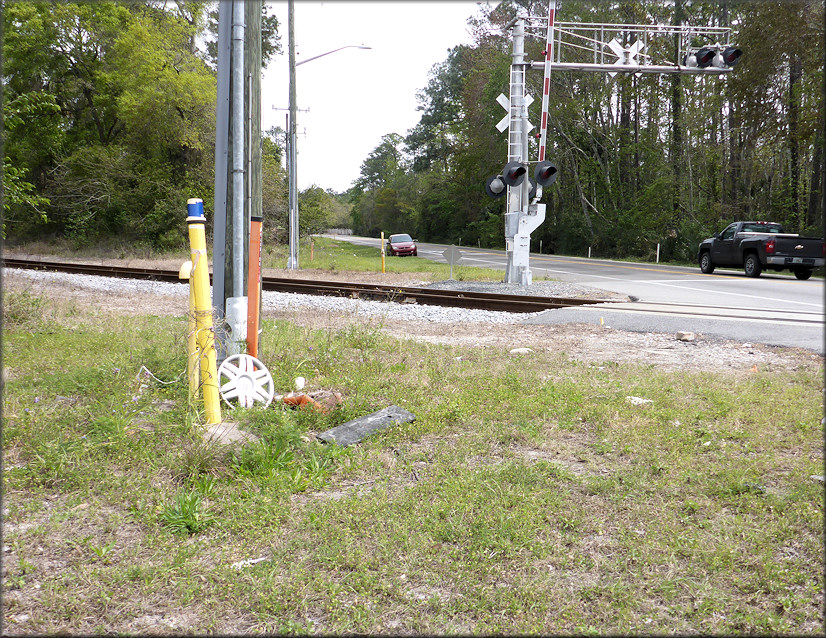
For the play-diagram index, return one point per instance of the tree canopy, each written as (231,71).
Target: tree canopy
(642,160)
(109,127)
(109,117)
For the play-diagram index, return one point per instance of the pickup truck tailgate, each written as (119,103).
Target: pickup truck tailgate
(798,247)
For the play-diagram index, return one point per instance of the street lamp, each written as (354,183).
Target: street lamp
(292,261)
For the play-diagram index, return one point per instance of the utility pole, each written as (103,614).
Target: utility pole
(237,167)
(292,260)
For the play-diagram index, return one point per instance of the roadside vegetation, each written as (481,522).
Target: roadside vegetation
(530,495)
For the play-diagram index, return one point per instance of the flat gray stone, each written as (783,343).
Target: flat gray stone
(228,433)
(358,429)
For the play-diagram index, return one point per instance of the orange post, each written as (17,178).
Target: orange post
(254,285)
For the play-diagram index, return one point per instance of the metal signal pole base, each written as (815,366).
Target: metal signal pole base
(518,246)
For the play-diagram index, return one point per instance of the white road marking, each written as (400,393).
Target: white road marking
(703,290)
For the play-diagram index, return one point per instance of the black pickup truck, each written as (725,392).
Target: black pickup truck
(756,246)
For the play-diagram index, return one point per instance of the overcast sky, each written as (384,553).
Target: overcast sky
(356,96)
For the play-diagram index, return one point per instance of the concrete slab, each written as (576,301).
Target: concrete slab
(227,433)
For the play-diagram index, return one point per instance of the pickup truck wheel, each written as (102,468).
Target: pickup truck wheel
(802,273)
(706,265)
(752,265)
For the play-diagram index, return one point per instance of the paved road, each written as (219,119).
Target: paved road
(775,308)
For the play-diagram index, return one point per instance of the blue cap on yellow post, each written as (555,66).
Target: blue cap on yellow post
(195,207)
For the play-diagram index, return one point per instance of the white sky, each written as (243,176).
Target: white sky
(356,96)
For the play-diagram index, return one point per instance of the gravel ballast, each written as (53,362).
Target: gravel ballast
(284,301)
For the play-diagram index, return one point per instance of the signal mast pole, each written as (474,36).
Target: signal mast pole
(517,146)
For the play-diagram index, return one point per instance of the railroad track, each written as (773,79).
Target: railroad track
(373,292)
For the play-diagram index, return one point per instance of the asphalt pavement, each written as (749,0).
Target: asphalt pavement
(774,309)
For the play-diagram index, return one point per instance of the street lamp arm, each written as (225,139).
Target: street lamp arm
(292,261)
(321,55)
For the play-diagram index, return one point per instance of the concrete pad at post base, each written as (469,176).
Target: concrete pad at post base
(227,433)
(358,429)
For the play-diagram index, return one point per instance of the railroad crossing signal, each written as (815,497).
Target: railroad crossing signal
(513,174)
(625,55)
(505,103)
(545,173)
(523,214)
(701,58)
(728,57)
(495,187)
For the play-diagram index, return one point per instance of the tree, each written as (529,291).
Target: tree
(316,210)
(274,186)
(131,134)
(270,37)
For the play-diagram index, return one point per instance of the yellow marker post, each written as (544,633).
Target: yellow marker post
(204,332)
(382,251)
(193,358)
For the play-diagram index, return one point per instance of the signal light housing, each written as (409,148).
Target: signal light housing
(701,58)
(495,187)
(716,55)
(545,173)
(513,174)
(726,58)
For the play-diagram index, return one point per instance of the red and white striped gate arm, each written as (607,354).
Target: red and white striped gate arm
(546,86)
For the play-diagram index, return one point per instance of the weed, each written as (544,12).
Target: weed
(24,310)
(200,457)
(362,337)
(264,458)
(187,514)
(205,485)
(102,551)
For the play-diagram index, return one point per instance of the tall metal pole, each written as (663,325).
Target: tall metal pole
(292,262)
(517,142)
(238,167)
(219,238)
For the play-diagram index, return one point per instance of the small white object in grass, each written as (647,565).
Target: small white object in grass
(685,336)
(300,382)
(245,563)
(521,351)
(638,400)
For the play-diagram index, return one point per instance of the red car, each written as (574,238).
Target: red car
(401,244)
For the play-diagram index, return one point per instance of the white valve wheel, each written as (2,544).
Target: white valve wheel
(247,380)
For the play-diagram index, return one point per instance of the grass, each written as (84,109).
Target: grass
(529,496)
(336,257)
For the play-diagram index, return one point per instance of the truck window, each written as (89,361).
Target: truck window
(728,233)
(761,228)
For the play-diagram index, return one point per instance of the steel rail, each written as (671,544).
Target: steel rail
(378,292)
